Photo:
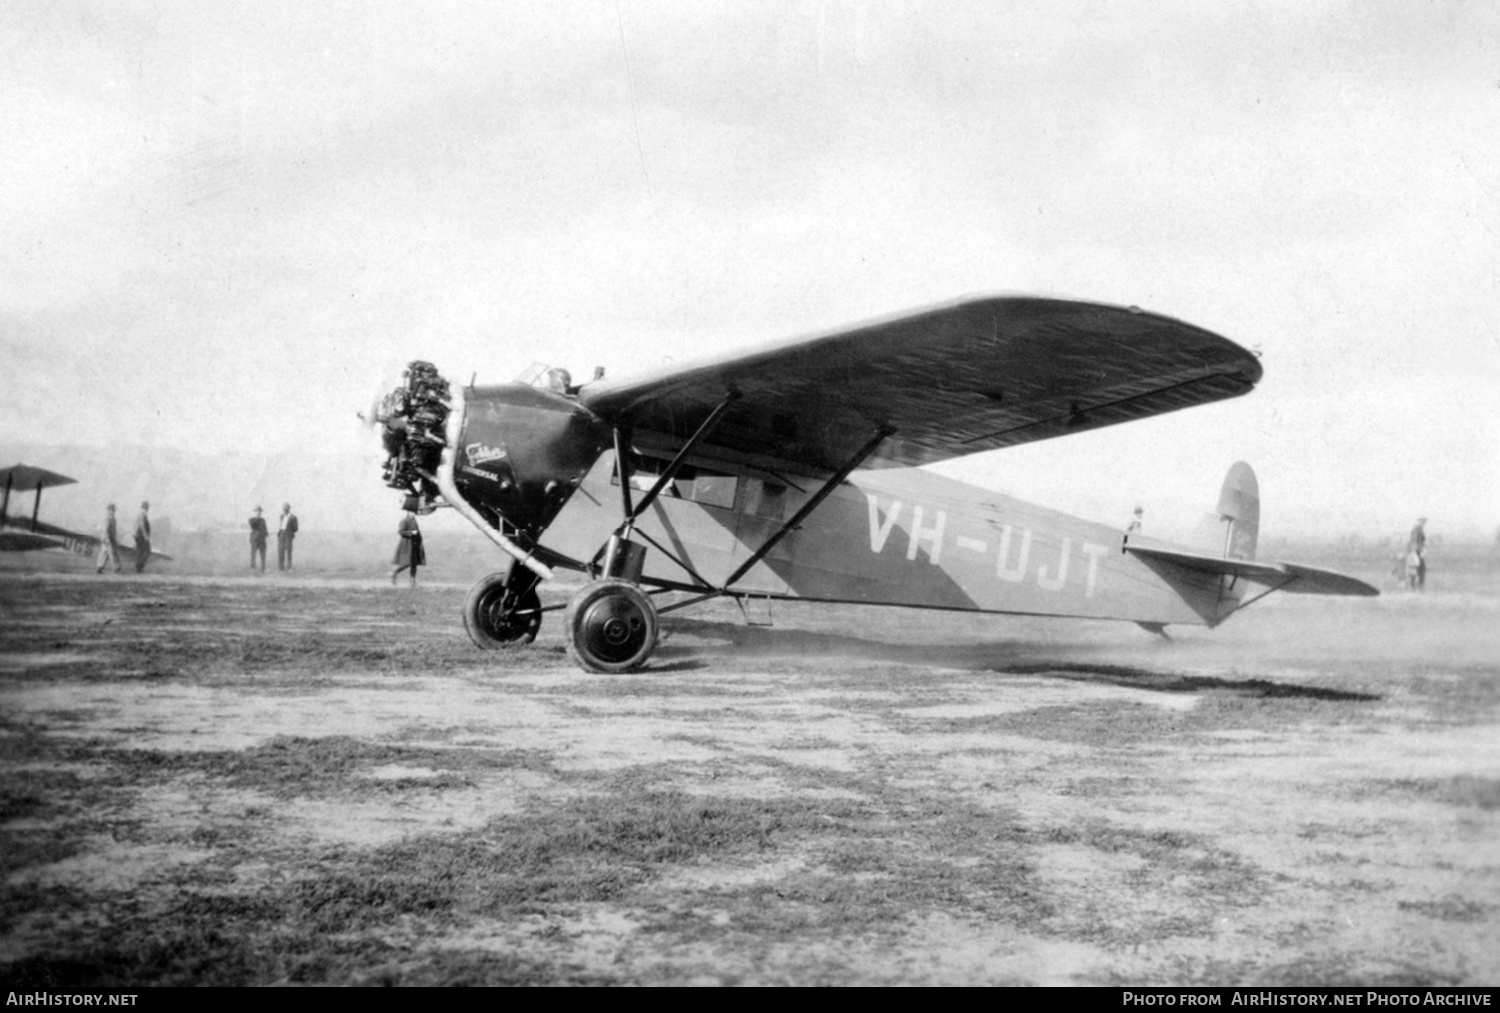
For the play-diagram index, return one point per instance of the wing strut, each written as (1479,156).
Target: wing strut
(791,525)
(812,504)
(709,425)
(616,549)
(622,462)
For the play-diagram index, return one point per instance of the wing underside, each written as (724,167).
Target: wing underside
(956,379)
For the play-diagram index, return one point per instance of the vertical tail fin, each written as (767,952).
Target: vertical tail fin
(1233,529)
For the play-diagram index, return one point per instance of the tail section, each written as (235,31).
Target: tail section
(1225,554)
(1233,529)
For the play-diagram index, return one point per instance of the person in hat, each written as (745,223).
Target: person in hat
(258,540)
(409,552)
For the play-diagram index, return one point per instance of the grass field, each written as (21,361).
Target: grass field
(214,780)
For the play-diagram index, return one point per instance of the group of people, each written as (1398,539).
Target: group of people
(286,534)
(409,551)
(109,543)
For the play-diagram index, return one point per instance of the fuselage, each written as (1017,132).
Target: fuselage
(533,463)
(903,537)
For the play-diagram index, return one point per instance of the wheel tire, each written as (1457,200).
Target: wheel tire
(496,618)
(611,626)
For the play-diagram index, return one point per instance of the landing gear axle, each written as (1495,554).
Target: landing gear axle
(610,626)
(503,610)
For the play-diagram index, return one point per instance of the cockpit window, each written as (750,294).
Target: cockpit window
(545,377)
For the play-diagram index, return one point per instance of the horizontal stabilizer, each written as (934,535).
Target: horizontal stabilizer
(1217,565)
(1294,578)
(1316,580)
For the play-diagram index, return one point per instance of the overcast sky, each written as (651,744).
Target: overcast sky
(224,222)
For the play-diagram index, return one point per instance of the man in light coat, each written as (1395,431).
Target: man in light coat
(109,552)
(286,531)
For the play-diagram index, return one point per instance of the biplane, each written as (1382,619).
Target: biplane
(791,472)
(22,535)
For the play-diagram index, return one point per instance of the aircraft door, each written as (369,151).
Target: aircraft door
(764,506)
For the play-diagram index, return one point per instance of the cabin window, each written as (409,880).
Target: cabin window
(771,500)
(700,485)
(713,489)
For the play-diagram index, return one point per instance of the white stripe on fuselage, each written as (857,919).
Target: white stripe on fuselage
(1011,560)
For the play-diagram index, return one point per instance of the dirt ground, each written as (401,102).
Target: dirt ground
(233,781)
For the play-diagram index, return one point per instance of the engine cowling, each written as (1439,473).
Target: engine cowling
(521,452)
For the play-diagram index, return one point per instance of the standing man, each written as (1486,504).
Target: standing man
(258,540)
(286,530)
(143,537)
(1416,550)
(109,551)
(1134,527)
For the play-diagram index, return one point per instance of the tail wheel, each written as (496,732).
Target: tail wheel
(611,627)
(498,615)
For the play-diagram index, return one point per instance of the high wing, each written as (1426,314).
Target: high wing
(959,378)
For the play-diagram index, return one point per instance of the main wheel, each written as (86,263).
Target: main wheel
(497,615)
(611,626)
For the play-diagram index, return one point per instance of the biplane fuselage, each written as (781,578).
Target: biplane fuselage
(789,472)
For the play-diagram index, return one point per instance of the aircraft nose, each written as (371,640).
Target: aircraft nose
(412,421)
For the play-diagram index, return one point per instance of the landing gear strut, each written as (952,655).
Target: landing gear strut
(503,610)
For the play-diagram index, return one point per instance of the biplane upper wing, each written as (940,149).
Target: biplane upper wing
(970,375)
(26,478)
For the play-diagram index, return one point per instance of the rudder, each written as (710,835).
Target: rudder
(1233,529)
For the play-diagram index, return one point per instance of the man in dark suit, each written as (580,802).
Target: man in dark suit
(258,540)
(286,531)
(142,538)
